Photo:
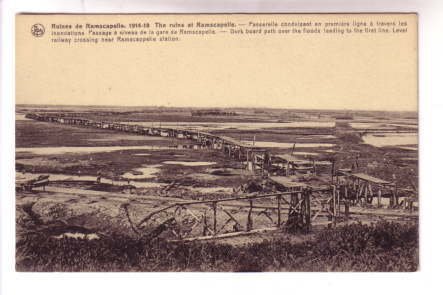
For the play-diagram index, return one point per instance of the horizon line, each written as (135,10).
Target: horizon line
(212,107)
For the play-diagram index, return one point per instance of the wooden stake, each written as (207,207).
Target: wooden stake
(279,210)
(215,217)
(334,195)
(338,203)
(379,197)
(366,193)
(308,210)
(249,224)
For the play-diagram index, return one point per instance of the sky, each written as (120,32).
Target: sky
(310,71)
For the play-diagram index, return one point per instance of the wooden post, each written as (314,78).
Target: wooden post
(249,224)
(338,203)
(366,193)
(334,202)
(379,197)
(307,200)
(205,224)
(391,199)
(215,217)
(287,168)
(278,210)
(247,160)
(359,191)
(332,170)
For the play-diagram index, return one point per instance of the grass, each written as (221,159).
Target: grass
(377,247)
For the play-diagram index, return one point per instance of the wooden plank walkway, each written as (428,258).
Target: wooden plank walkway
(368,178)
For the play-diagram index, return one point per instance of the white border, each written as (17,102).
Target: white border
(428,279)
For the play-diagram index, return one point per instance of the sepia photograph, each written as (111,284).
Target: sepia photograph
(216,143)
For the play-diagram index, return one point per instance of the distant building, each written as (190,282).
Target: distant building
(213,112)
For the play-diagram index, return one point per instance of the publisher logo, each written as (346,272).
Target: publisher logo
(37,30)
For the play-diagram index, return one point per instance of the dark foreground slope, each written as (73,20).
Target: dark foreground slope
(377,247)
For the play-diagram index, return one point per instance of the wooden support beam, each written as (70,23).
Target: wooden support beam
(214,206)
(307,202)
(338,203)
(249,224)
(379,197)
(334,201)
(366,194)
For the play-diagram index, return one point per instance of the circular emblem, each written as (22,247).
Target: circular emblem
(37,30)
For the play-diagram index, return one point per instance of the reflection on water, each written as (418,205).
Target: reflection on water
(391,139)
(21,117)
(23,177)
(305,154)
(143,172)
(287,145)
(358,125)
(191,164)
(76,236)
(211,190)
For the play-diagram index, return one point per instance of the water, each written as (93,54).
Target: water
(357,125)
(391,139)
(305,154)
(409,148)
(191,164)
(412,126)
(76,236)
(382,126)
(143,172)
(317,136)
(21,117)
(211,190)
(288,145)
(23,177)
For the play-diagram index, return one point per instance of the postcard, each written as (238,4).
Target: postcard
(216,142)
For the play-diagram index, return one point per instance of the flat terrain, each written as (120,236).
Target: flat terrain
(105,182)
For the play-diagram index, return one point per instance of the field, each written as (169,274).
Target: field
(104,182)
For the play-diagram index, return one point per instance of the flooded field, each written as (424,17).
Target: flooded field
(102,182)
(390,139)
(270,144)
